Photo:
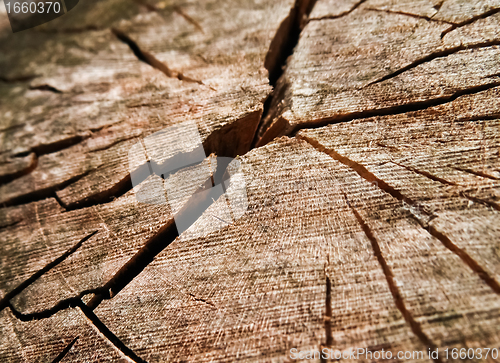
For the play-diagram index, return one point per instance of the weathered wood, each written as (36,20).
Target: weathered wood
(44,340)
(102,81)
(373,185)
(218,297)
(372,62)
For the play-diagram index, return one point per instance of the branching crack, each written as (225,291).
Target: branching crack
(189,213)
(417,16)
(394,110)
(109,335)
(150,59)
(354,7)
(71,302)
(424,222)
(396,294)
(6,300)
(432,56)
(42,193)
(446,182)
(470,21)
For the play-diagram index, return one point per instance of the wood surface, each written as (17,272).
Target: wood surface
(368,133)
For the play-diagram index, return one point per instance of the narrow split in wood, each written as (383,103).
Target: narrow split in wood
(398,299)
(6,299)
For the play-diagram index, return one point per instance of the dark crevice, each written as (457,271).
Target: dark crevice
(7,178)
(327,317)
(104,330)
(65,351)
(359,169)
(493,75)
(389,276)
(286,38)
(6,300)
(45,87)
(64,304)
(493,116)
(41,194)
(95,321)
(281,48)
(432,56)
(438,6)
(56,146)
(469,21)
(60,202)
(12,127)
(150,59)
(106,196)
(189,213)
(229,141)
(22,154)
(446,182)
(417,16)
(138,175)
(147,5)
(328,313)
(10,224)
(394,110)
(370,177)
(347,12)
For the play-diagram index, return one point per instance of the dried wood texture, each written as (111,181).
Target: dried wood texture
(368,134)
